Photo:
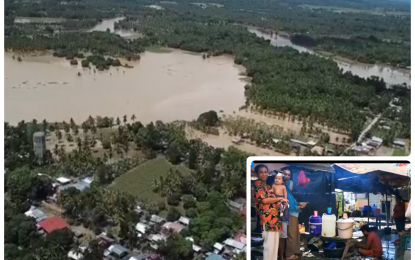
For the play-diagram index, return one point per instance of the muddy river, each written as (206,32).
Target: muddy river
(161,86)
(109,24)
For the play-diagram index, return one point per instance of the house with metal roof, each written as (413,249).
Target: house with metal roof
(174,226)
(36,214)
(141,228)
(214,257)
(232,243)
(63,180)
(156,219)
(53,223)
(185,221)
(217,248)
(118,251)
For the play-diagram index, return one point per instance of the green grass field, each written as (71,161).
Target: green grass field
(139,181)
(399,152)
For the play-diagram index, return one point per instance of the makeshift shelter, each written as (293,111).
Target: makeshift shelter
(372,178)
(313,183)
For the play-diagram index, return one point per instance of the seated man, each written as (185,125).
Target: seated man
(373,246)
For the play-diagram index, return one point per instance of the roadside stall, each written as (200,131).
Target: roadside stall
(373,178)
(323,231)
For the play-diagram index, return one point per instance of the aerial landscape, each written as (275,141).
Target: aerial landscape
(129,122)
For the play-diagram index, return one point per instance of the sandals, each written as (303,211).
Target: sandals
(291,257)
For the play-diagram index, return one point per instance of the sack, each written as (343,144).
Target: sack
(302,180)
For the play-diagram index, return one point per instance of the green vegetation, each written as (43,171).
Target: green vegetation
(375,50)
(399,152)
(139,181)
(70,43)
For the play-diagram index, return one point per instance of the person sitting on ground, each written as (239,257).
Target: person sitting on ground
(373,246)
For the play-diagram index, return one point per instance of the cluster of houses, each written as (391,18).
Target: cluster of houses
(62,183)
(369,145)
(114,251)
(222,250)
(45,224)
(225,250)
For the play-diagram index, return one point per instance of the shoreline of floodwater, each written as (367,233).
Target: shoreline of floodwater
(342,62)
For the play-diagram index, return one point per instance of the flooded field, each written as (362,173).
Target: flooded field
(390,75)
(110,25)
(224,140)
(168,86)
(288,125)
(45,20)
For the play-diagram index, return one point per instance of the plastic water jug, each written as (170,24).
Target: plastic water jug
(328,228)
(315,224)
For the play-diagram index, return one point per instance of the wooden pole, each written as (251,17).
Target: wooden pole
(341,213)
(387,211)
(368,209)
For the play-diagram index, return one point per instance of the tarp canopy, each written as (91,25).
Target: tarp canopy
(371,177)
(312,183)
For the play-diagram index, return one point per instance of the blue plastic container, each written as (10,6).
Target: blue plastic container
(331,245)
(315,223)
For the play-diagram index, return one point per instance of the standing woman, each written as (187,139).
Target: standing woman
(293,240)
(399,214)
(267,206)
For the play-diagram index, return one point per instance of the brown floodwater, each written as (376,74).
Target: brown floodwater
(161,86)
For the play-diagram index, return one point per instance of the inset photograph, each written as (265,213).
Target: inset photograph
(326,210)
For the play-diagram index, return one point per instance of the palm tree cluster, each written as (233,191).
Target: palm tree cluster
(96,206)
(74,42)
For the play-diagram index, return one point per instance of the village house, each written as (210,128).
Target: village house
(214,257)
(196,248)
(235,246)
(53,223)
(117,251)
(217,248)
(399,143)
(185,221)
(141,228)
(104,240)
(35,213)
(156,219)
(174,226)
(154,238)
(63,180)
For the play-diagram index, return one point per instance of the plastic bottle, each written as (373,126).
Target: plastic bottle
(303,228)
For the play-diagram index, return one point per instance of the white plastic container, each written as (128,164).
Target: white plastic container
(328,228)
(345,228)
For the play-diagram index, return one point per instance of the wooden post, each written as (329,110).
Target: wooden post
(368,209)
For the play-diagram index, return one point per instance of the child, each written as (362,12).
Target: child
(280,191)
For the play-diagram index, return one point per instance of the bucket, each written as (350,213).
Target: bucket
(345,228)
(315,244)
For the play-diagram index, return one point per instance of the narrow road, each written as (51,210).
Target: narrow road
(367,129)
(363,133)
